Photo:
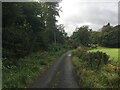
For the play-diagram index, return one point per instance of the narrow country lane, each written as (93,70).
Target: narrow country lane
(60,75)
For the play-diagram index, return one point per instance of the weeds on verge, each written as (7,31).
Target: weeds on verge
(91,77)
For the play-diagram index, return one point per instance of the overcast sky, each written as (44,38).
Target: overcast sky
(94,13)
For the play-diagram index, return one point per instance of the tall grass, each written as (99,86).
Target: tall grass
(28,69)
(106,77)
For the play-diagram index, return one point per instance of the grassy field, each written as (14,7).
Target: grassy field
(112,52)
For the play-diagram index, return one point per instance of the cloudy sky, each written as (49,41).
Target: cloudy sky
(94,13)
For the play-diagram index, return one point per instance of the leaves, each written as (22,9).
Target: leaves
(29,27)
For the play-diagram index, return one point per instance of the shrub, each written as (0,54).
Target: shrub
(93,46)
(95,59)
(55,47)
(79,52)
(91,59)
(93,73)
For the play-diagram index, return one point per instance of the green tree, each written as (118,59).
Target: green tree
(95,37)
(109,36)
(81,36)
(29,27)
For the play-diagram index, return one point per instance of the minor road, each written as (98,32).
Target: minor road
(59,75)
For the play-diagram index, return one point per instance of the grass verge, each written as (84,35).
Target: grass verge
(107,77)
(28,69)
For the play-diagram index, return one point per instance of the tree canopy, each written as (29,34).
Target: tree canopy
(29,27)
(107,37)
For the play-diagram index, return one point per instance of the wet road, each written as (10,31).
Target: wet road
(59,75)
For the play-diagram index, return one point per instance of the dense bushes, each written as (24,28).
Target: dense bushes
(92,59)
(95,59)
(90,78)
(29,27)
(28,69)
(94,70)
(79,52)
(107,37)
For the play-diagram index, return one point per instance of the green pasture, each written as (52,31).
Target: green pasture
(112,52)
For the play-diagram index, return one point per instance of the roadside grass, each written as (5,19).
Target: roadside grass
(106,77)
(112,52)
(28,69)
(0,74)
(89,78)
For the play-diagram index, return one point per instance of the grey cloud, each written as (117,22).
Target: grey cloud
(97,14)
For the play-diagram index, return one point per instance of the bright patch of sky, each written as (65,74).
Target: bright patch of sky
(94,13)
